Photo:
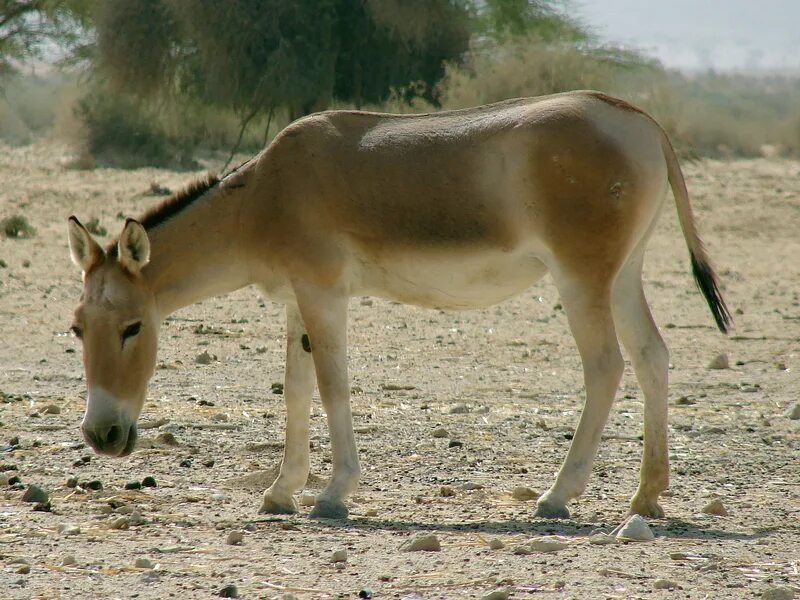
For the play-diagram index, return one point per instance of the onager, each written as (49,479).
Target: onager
(453,210)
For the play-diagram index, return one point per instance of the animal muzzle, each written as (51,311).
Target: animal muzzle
(107,427)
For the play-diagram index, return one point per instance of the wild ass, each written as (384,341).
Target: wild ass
(453,210)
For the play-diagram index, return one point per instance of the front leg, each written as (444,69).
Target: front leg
(324,311)
(297,389)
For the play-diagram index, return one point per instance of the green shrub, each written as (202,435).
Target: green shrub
(17,227)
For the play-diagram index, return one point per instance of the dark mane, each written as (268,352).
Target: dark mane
(170,207)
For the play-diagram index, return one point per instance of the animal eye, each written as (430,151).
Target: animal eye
(76,331)
(131,330)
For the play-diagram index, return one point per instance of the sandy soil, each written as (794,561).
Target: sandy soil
(513,366)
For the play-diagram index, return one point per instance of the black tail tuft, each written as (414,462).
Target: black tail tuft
(707,282)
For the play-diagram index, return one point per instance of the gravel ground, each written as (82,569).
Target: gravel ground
(452,413)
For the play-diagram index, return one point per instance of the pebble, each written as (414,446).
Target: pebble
(136,518)
(793,412)
(496,595)
(133,485)
(720,361)
(235,538)
(24,569)
(43,507)
(68,560)
(446,491)
(339,556)
(455,444)
(204,358)
(308,500)
(51,409)
(68,529)
(496,544)
(229,591)
(119,523)
(371,512)
(471,485)
(289,596)
(149,482)
(522,549)
(35,494)
(716,507)
(665,584)
(143,563)
(548,543)
(779,592)
(3,479)
(602,539)
(425,542)
(524,494)
(458,409)
(441,432)
(71,482)
(635,529)
(167,438)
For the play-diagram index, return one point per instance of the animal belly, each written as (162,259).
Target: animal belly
(449,281)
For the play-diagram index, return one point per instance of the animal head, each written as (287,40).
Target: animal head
(117,322)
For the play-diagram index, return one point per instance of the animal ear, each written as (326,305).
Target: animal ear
(85,251)
(134,246)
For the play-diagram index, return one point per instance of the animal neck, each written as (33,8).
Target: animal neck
(198,252)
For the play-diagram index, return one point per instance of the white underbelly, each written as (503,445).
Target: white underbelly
(455,280)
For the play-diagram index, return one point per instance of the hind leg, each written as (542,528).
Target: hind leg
(587,304)
(650,359)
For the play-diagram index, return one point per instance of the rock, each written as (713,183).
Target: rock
(471,485)
(51,409)
(229,591)
(496,544)
(496,595)
(43,507)
(24,569)
(548,543)
(635,529)
(133,485)
(119,523)
(35,494)
(446,491)
(143,563)
(289,596)
(68,560)
(665,584)
(441,432)
(204,358)
(455,444)
(715,507)
(524,494)
(458,409)
(68,529)
(793,412)
(339,556)
(167,438)
(778,592)
(602,539)
(481,410)
(720,361)
(235,538)
(371,512)
(220,417)
(136,518)
(308,500)
(149,482)
(425,542)
(522,549)
(71,482)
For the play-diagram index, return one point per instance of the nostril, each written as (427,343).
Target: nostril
(114,435)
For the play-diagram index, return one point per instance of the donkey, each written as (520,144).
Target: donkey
(452,210)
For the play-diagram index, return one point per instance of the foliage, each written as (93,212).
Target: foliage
(17,227)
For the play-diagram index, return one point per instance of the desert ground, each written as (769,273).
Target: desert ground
(453,411)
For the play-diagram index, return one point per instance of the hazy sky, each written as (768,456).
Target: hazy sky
(701,34)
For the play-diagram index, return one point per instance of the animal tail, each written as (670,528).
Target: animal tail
(703,273)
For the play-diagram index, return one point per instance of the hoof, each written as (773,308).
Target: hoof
(646,508)
(274,506)
(551,510)
(329,509)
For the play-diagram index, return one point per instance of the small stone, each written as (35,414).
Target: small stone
(524,494)
(423,542)
(136,518)
(365,593)
(471,485)
(458,409)
(68,529)
(635,529)
(94,484)
(339,556)
(778,592)
(496,595)
(455,444)
(548,543)
(35,494)
(143,563)
(149,481)
(68,560)
(235,538)
(308,500)
(522,550)
(71,482)
(204,402)
(186,463)
(371,512)
(51,409)
(24,569)
(441,432)
(204,358)
(289,596)
(119,523)
(665,584)
(446,491)
(496,544)
(715,507)
(167,438)
(602,539)
(720,361)
(793,412)
(43,507)
(229,591)
(133,485)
